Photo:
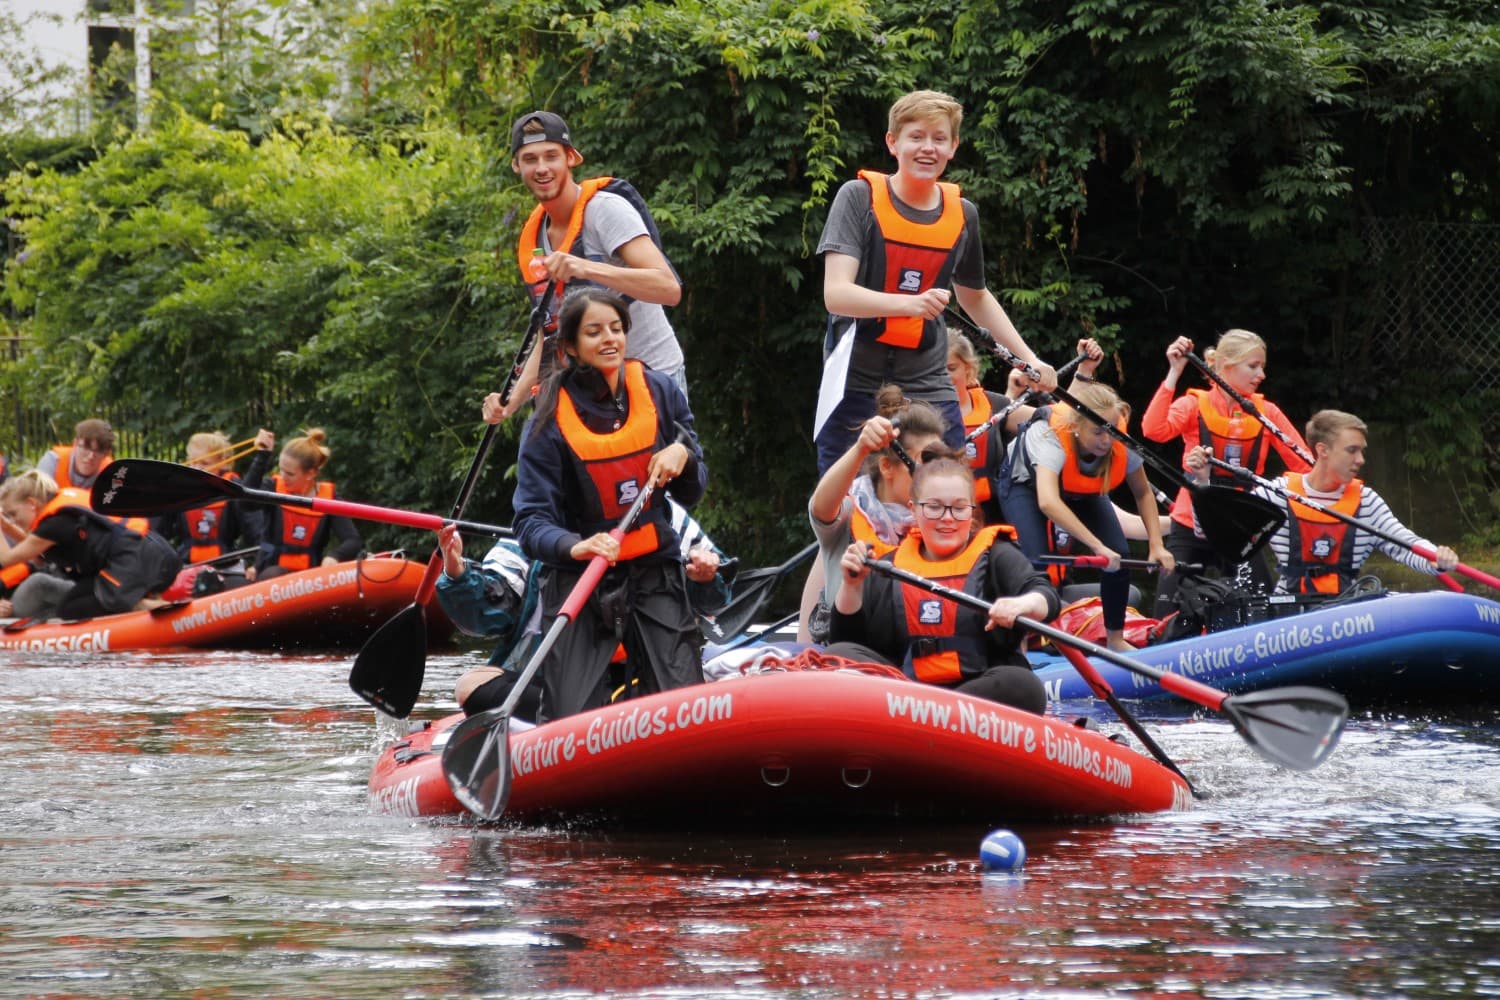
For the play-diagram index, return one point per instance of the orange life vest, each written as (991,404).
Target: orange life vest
(1320,551)
(12,575)
(911,258)
(299,526)
(64,480)
(1074,481)
(74,497)
(614,464)
(205,525)
(1214,432)
(936,652)
(64,474)
(531,240)
(977,451)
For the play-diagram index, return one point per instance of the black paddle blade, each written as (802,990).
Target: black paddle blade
(752,589)
(390,666)
(1234,522)
(1296,727)
(476,762)
(141,487)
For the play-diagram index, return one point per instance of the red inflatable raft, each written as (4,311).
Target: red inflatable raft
(326,607)
(800,747)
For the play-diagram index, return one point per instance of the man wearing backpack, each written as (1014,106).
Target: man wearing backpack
(598,232)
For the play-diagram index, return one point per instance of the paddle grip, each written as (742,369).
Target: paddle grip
(1478,576)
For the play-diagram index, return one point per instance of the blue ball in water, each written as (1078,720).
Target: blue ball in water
(1002,851)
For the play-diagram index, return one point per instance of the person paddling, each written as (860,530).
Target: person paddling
(1063,468)
(1317,553)
(298,538)
(1210,417)
(497,599)
(935,641)
(111,568)
(604,428)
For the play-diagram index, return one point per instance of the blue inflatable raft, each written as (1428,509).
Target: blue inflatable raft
(1397,649)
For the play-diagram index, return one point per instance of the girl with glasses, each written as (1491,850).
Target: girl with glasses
(880,619)
(1063,468)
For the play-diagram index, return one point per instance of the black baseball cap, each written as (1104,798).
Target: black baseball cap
(553,129)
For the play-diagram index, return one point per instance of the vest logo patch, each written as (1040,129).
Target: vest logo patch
(299,532)
(971,450)
(1061,538)
(911,280)
(1322,547)
(930,612)
(206,521)
(627,491)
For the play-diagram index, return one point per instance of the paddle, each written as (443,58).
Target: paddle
(1028,398)
(1296,727)
(1249,407)
(141,487)
(1099,562)
(1422,550)
(1234,522)
(476,759)
(751,591)
(390,666)
(227,557)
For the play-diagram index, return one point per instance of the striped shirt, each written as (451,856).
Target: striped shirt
(1373,511)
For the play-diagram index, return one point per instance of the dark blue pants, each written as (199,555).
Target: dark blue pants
(1024,513)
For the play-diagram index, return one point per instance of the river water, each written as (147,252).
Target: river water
(196,825)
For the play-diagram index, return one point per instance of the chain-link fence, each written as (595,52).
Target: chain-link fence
(1436,302)
(1440,297)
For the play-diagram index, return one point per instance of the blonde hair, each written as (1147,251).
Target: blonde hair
(1104,401)
(309,451)
(921,105)
(29,485)
(1326,425)
(960,346)
(209,443)
(1233,345)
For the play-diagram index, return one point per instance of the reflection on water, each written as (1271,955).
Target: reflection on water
(196,824)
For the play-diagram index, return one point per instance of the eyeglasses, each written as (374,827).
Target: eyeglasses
(92,449)
(934,509)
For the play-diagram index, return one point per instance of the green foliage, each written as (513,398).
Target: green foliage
(195,280)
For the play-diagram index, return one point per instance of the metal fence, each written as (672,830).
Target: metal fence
(27,431)
(1440,293)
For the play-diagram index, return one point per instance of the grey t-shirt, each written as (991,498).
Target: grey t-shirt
(610,222)
(922,373)
(1045,450)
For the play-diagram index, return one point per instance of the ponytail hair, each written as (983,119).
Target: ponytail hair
(309,451)
(1233,345)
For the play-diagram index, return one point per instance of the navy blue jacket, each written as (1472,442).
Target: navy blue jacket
(549,499)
